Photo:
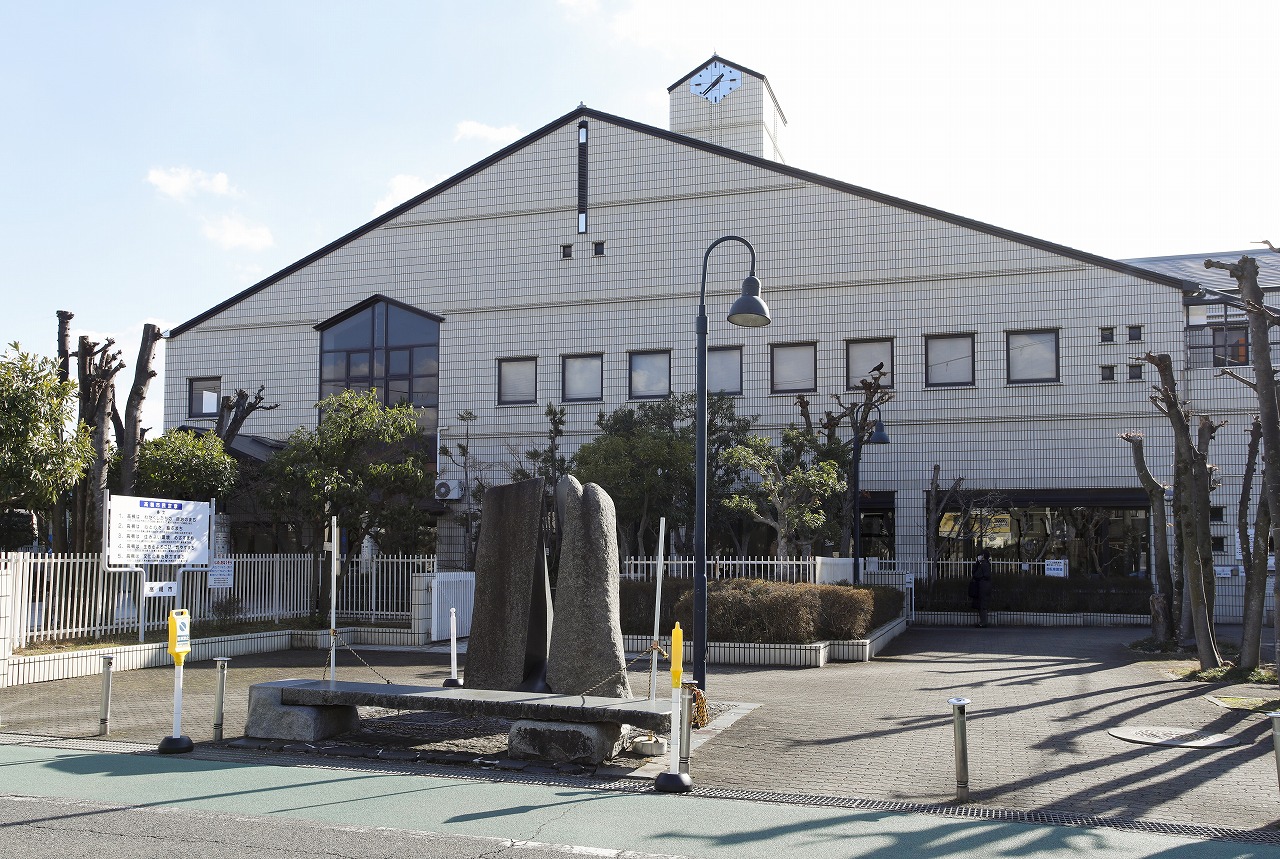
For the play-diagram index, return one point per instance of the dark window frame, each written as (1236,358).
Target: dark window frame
(741,388)
(1107,334)
(773,368)
(191,390)
(850,383)
(631,392)
(1135,330)
(1108,372)
(973,361)
(516,360)
(1135,373)
(1057,356)
(564,377)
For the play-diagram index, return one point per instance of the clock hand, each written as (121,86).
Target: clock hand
(715,83)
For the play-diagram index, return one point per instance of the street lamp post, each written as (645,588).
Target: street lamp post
(878,436)
(749,311)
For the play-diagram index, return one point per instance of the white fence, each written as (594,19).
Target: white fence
(57,597)
(769,568)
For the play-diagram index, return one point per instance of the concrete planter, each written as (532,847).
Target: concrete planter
(81,663)
(814,655)
(1027,618)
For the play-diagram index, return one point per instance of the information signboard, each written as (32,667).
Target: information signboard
(1056,568)
(221,573)
(157,531)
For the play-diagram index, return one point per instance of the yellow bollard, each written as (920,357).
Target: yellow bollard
(674,781)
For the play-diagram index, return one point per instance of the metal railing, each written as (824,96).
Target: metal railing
(768,568)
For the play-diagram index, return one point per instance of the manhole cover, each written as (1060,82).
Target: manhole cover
(1179,737)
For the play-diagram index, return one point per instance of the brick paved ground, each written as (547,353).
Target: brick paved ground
(1043,700)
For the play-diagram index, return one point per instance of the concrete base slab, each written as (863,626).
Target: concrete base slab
(584,743)
(268,717)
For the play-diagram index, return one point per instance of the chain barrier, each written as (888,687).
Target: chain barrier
(356,654)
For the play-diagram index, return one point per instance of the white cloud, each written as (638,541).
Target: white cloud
(400,188)
(469,129)
(231,231)
(182,182)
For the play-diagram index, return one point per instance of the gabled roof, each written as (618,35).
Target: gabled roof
(694,143)
(369,302)
(1191,267)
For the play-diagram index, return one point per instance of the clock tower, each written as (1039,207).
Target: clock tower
(729,105)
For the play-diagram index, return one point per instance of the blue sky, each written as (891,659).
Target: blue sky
(158,157)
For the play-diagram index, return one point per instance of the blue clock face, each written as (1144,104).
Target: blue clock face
(715,82)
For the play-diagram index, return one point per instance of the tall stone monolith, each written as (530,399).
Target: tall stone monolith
(586,655)
(511,620)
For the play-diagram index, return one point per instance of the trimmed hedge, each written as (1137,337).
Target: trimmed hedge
(762,612)
(1041,594)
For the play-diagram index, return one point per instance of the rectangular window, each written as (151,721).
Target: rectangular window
(1135,333)
(1108,372)
(724,370)
(1106,335)
(1231,347)
(948,360)
(1032,356)
(517,380)
(862,357)
(1135,372)
(205,397)
(582,378)
(597,248)
(566,252)
(1218,544)
(650,375)
(1217,514)
(795,367)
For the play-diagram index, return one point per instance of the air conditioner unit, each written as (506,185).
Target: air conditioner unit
(448,490)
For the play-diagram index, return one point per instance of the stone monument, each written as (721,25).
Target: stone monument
(586,655)
(511,620)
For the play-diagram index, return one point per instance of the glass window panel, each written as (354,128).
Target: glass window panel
(584,377)
(397,391)
(650,374)
(518,380)
(794,368)
(333,365)
(862,355)
(1033,356)
(724,371)
(426,360)
(353,333)
(358,365)
(205,397)
(331,388)
(428,419)
(949,360)
(399,363)
(405,328)
(1230,347)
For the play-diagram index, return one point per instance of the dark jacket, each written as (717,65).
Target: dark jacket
(980,584)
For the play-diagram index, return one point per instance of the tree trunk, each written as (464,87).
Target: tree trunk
(1162,578)
(1255,577)
(1245,273)
(59,539)
(131,439)
(1191,497)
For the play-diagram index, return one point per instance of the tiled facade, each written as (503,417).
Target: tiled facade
(486,251)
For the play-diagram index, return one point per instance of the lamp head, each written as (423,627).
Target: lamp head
(878,435)
(750,311)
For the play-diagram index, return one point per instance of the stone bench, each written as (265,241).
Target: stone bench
(579,728)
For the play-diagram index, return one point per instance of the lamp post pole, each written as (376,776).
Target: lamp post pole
(748,311)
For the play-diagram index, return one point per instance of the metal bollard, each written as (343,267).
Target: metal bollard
(219,694)
(962,747)
(686,726)
(104,714)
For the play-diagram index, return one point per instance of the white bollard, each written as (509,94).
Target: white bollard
(104,714)
(960,729)
(452,680)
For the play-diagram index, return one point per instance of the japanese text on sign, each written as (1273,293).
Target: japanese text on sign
(156,531)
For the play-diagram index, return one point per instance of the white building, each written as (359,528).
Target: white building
(565,269)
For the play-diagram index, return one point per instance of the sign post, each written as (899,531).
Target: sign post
(179,647)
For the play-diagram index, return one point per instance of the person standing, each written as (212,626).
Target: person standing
(980,585)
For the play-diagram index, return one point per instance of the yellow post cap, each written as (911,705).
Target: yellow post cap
(677,655)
